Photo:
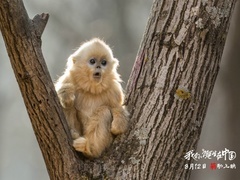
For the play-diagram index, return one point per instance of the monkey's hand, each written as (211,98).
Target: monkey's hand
(120,121)
(66,96)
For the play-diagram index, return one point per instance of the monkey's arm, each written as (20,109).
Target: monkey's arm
(119,113)
(66,94)
(120,120)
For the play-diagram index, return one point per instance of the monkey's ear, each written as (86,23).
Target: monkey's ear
(74,60)
(70,62)
(116,62)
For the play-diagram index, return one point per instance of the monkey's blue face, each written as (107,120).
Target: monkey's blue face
(98,67)
(94,62)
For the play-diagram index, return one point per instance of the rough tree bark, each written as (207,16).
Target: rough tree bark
(22,38)
(167,94)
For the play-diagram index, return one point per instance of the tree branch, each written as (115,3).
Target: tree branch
(22,39)
(39,23)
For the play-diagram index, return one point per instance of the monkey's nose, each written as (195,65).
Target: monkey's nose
(98,67)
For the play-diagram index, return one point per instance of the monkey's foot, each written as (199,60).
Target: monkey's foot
(80,144)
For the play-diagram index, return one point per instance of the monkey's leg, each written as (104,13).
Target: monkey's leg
(120,120)
(97,135)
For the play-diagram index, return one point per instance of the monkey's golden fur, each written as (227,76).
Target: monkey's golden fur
(92,98)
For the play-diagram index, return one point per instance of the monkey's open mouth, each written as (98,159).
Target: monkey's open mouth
(97,75)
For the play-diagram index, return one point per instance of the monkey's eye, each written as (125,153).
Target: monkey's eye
(104,62)
(92,61)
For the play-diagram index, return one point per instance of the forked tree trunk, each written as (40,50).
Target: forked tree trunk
(167,94)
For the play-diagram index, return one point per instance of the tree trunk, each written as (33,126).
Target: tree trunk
(167,94)
(22,38)
(172,82)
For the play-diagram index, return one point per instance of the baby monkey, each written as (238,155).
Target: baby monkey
(92,98)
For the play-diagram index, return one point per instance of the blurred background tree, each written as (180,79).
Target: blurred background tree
(121,24)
